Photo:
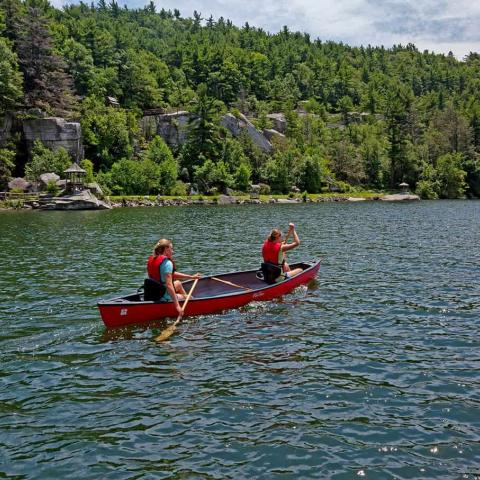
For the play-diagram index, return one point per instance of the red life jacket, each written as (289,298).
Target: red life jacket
(153,266)
(270,251)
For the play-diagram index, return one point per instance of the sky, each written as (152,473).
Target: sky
(436,25)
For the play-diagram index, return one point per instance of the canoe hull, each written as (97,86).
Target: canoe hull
(122,311)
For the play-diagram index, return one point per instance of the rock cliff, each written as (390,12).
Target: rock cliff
(172,127)
(240,124)
(55,132)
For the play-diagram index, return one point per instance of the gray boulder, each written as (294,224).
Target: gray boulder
(95,188)
(46,178)
(226,200)
(279,122)
(19,183)
(274,137)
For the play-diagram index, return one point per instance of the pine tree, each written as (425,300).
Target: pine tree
(46,84)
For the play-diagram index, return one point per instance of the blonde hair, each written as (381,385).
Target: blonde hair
(274,234)
(161,246)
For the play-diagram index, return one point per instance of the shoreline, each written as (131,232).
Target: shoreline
(146,201)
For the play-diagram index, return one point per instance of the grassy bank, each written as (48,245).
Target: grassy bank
(367,194)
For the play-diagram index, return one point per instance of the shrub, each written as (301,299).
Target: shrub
(179,190)
(264,189)
(45,160)
(52,188)
(342,187)
(427,189)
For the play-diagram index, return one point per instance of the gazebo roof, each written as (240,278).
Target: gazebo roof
(74,168)
(403,184)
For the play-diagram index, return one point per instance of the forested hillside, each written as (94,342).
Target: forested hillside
(417,120)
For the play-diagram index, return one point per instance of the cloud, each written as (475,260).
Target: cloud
(436,25)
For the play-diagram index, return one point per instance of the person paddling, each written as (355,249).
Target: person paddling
(273,252)
(161,269)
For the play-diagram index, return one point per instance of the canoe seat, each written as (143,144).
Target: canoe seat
(269,272)
(153,291)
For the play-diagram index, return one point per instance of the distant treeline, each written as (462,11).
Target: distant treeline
(422,127)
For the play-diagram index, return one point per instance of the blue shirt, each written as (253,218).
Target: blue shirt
(165,267)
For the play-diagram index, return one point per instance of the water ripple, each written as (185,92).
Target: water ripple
(370,372)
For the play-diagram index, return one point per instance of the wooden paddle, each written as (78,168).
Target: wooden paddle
(230,283)
(168,332)
(289,232)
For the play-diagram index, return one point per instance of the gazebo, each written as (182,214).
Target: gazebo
(75,176)
(404,186)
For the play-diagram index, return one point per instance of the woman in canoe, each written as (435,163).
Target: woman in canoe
(161,269)
(273,252)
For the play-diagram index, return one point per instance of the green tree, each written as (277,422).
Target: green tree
(278,171)
(203,142)
(87,165)
(312,173)
(45,160)
(80,64)
(132,177)
(399,103)
(159,153)
(243,175)
(10,78)
(107,132)
(345,105)
(450,176)
(7,164)
(211,175)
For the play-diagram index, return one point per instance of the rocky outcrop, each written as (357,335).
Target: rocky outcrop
(84,200)
(397,197)
(172,127)
(55,132)
(279,122)
(6,125)
(240,124)
(274,137)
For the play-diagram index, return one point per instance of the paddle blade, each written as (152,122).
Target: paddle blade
(166,334)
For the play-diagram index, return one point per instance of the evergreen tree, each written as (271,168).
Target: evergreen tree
(203,141)
(10,78)
(46,84)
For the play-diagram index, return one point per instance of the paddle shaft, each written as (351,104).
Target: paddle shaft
(230,283)
(289,232)
(168,332)
(180,315)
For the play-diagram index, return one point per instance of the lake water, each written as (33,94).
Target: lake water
(373,372)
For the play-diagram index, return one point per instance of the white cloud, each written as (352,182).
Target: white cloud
(437,25)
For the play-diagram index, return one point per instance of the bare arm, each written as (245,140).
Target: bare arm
(185,276)
(294,244)
(171,291)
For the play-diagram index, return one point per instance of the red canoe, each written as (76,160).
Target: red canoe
(210,296)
